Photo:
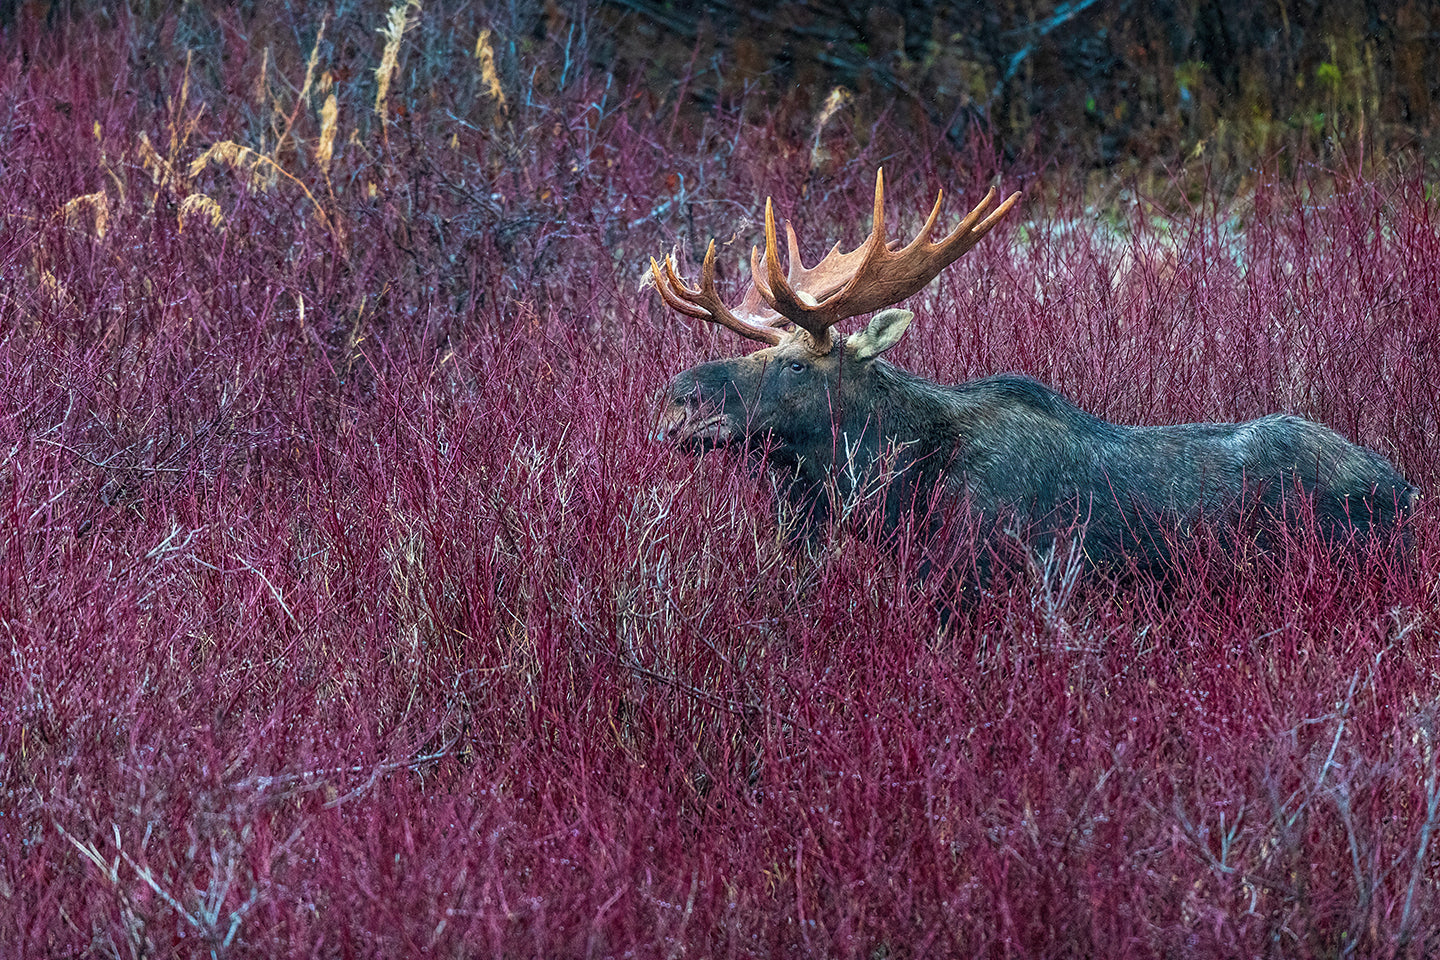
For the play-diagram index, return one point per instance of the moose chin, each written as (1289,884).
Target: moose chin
(833,416)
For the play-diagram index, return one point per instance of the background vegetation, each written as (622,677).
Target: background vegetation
(347,607)
(1122,87)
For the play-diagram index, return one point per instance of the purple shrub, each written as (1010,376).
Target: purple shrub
(349,608)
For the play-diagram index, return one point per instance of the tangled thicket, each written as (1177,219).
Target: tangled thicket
(347,607)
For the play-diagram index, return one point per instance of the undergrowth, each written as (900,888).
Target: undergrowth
(349,607)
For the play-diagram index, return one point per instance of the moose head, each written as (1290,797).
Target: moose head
(796,391)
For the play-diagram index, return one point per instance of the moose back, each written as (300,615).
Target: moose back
(832,415)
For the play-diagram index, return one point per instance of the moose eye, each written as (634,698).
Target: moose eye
(797,367)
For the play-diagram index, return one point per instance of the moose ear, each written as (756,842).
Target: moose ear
(885,330)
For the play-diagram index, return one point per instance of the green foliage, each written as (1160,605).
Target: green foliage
(1329,77)
(1109,85)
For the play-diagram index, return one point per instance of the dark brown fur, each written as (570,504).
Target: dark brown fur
(1017,453)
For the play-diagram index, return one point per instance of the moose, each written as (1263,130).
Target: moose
(833,416)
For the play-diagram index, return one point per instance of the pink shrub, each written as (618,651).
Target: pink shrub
(350,609)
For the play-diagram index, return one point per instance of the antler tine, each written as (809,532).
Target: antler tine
(779,286)
(1000,211)
(663,284)
(792,246)
(966,234)
(809,285)
(878,218)
(704,303)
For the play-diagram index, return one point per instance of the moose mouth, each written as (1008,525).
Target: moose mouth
(690,425)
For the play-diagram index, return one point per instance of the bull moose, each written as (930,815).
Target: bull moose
(831,414)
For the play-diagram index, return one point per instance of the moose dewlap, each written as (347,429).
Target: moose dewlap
(829,413)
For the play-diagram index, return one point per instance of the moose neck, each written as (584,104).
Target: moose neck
(892,429)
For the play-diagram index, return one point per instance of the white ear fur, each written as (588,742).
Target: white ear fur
(885,330)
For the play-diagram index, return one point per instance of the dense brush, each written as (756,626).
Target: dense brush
(348,606)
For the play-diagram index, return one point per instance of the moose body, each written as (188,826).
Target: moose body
(1017,454)
(837,420)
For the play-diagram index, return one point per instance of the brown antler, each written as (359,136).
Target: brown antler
(751,318)
(755,316)
(875,274)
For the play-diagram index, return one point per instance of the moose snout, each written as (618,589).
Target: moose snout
(689,415)
(671,420)
(679,406)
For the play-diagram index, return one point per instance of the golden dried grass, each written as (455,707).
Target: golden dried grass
(839,97)
(329,123)
(489,75)
(96,204)
(240,158)
(396,23)
(197,206)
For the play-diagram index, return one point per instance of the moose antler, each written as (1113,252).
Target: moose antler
(750,318)
(755,316)
(875,274)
